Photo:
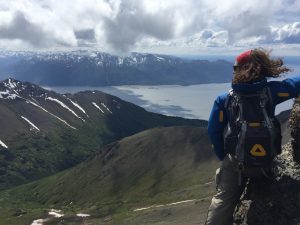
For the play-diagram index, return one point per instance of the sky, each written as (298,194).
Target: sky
(179,27)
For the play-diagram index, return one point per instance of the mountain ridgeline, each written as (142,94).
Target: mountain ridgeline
(43,132)
(156,166)
(84,68)
(108,158)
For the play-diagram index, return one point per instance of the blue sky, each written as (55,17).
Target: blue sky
(182,27)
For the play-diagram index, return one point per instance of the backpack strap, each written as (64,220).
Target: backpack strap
(241,143)
(236,97)
(270,96)
(239,150)
(265,97)
(230,93)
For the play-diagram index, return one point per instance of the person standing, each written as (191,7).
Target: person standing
(243,129)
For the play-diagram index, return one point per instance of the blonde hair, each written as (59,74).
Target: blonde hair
(259,66)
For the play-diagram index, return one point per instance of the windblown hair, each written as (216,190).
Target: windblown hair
(259,66)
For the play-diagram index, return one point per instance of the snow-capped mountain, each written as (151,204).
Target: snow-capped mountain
(44,132)
(98,68)
(94,57)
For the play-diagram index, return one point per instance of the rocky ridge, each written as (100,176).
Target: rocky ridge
(276,201)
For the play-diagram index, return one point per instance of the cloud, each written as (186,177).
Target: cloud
(132,23)
(124,25)
(289,33)
(21,28)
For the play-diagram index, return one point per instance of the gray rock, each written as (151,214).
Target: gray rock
(276,201)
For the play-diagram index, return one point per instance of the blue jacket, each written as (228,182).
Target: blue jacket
(280,91)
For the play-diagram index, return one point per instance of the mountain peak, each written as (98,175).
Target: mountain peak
(42,122)
(93,68)
(9,89)
(11,83)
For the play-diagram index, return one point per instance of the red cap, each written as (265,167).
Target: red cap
(243,58)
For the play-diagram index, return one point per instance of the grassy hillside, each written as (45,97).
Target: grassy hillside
(156,166)
(48,132)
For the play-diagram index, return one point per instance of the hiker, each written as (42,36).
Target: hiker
(243,129)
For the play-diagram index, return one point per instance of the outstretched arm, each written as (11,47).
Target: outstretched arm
(216,124)
(285,90)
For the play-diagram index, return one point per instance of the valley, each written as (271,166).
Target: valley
(156,166)
(92,158)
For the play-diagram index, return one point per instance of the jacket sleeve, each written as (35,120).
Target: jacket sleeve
(216,124)
(285,90)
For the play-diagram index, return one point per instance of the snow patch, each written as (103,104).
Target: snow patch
(106,108)
(31,124)
(98,107)
(177,203)
(100,63)
(64,106)
(7,95)
(208,183)
(160,58)
(3,145)
(33,99)
(78,106)
(56,213)
(157,206)
(30,102)
(12,84)
(82,215)
(150,207)
(93,55)
(53,212)
(39,221)
(42,95)
(120,60)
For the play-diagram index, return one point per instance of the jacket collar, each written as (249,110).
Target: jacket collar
(250,87)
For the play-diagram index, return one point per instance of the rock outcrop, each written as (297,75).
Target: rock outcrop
(276,201)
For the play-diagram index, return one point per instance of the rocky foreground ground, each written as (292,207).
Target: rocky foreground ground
(276,201)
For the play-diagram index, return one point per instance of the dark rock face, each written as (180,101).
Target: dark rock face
(295,131)
(276,201)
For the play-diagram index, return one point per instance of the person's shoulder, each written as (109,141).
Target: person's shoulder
(221,99)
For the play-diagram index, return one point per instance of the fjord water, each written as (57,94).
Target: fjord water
(194,101)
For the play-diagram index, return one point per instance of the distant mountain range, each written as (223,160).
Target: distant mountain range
(43,132)
(85,68)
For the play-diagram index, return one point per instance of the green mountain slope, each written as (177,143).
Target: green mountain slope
(156,166)
(46,132)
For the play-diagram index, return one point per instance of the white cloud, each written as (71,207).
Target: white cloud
(289,33)
(125,25)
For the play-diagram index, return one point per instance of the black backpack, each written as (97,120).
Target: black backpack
(253,133)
